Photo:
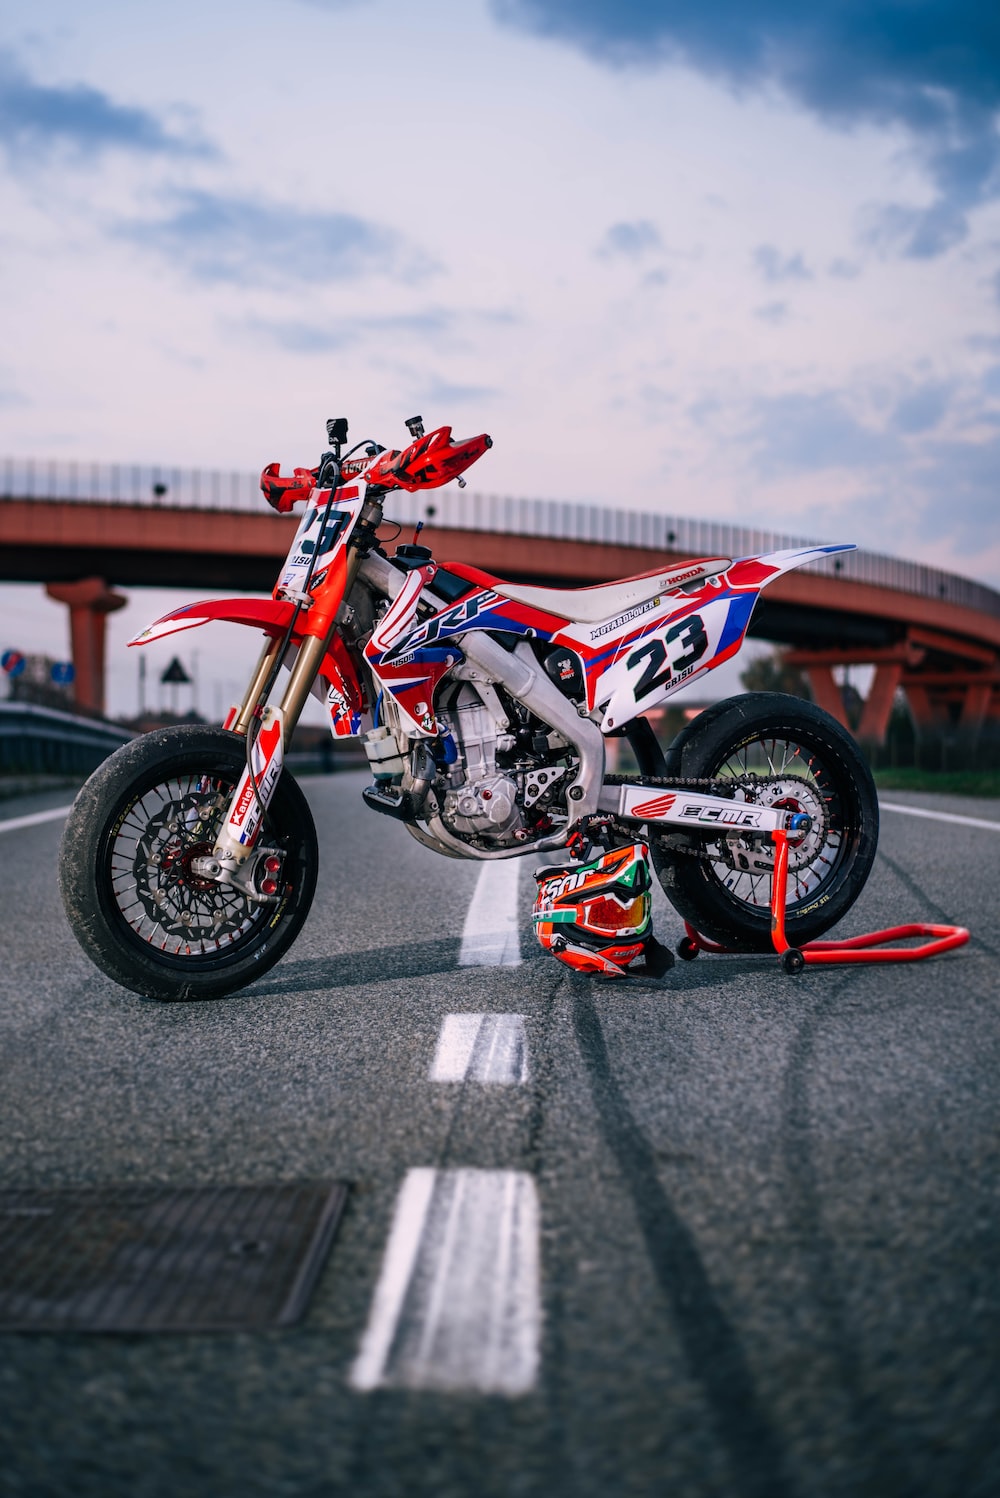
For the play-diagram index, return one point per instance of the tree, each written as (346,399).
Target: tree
(768,673)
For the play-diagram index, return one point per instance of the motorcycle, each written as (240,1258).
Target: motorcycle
(189,859)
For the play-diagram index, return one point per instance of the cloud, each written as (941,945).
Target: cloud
(775,267)
(315,338)
(773,312)
(36,118)
(216,238)
(809,433)
(929,66)
(630,241)
(844,270)
(921,410)
(990,383)
(445,393)
(959,482)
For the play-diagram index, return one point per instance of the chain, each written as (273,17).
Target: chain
(749,783)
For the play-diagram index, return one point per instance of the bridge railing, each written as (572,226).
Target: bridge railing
(214,489)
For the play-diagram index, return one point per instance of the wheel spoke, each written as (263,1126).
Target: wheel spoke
(149,867)
(793,777)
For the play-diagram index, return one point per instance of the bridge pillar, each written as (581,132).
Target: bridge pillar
(826,693)
(877,709)
(921,704)
(976,705)
(90,601)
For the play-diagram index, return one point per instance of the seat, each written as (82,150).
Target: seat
(592,605)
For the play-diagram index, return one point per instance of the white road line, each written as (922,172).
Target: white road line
(940,816)
(491,937)
(481,1048)
(397,1270)
(458,1303)
(14,824)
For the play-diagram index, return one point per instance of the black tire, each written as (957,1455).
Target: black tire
(122,863)
(827,777)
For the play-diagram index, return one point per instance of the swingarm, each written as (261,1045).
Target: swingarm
(699,812)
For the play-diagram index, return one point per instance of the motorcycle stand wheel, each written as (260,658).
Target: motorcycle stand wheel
(807,762)
(131,897)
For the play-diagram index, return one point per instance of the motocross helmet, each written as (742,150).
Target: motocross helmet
(596,916)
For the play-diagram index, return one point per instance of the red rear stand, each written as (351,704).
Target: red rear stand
(851,949)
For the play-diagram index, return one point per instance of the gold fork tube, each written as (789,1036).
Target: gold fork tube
(301,678)
(253,691)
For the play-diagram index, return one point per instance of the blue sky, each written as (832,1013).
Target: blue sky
(735,259)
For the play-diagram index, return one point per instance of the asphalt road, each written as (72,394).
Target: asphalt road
(733,1234)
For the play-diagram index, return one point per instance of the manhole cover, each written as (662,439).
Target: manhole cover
(151,1258)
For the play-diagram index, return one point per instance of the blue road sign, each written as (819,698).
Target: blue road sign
(62,672)
(13,662)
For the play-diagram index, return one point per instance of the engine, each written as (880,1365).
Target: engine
(504,786)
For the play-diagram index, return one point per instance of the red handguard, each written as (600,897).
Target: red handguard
(282,493)
(427,463)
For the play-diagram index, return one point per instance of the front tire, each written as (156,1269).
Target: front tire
(806,762)
(130,896)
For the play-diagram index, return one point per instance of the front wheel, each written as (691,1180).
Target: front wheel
(802,760)
(132,898)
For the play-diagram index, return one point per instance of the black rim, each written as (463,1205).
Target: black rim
(164,910)
(797,777)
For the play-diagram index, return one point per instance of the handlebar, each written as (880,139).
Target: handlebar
(427,463)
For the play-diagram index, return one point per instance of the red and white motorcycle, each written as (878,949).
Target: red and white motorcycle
(190,857)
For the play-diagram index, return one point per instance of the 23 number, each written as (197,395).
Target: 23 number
(658,670)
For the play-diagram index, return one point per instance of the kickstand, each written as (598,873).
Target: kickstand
(850,949)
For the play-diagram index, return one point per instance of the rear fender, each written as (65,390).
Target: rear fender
(758,572)
(694,638)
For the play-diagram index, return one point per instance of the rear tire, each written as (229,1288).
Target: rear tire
(130,897)
(810,764)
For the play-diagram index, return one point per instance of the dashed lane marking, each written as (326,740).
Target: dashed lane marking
(14,824)
(481,1048)
(940,816)
(458,1304)
(490,937)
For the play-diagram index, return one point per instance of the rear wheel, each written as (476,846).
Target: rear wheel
(803,761)
(129,877)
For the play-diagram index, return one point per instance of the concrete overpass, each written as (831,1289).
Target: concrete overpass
(83,530)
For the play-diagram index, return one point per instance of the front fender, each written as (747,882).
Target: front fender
(272,616)
(268,614)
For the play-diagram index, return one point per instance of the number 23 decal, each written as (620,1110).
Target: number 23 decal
(658,670)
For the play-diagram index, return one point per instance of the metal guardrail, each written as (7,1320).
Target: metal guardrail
(211,489)
(37,740)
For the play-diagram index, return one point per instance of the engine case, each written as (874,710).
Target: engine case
(481,799)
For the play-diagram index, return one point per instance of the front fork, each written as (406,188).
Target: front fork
(236,859)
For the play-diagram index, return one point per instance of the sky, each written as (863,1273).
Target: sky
(731,258)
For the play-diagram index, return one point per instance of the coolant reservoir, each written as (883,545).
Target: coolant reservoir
(384,756)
